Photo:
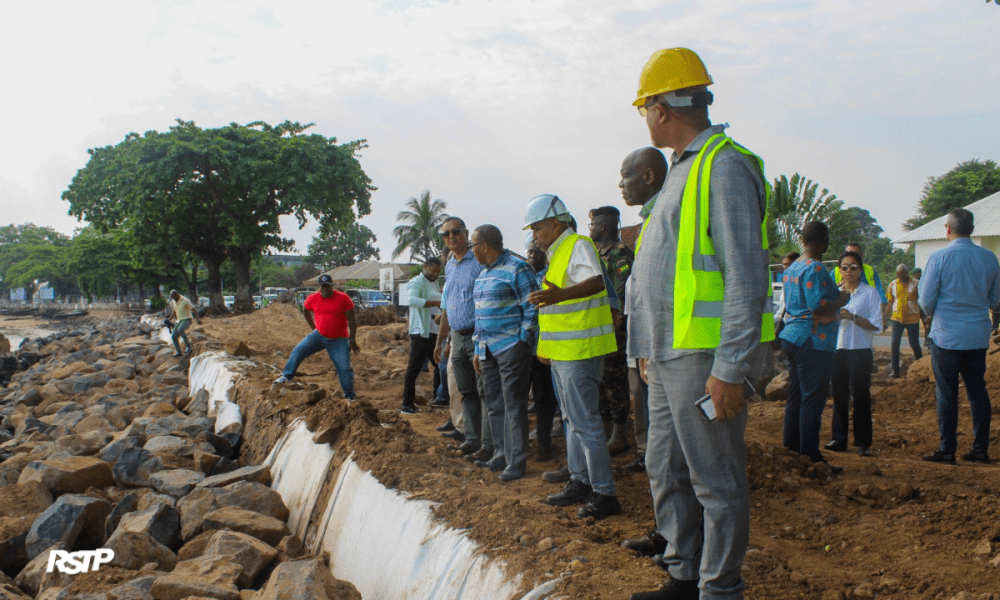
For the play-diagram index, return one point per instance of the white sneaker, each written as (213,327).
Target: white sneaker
(281,380)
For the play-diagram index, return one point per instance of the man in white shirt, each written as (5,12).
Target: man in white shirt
(424,296)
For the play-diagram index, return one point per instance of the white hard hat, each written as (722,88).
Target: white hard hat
(543,206)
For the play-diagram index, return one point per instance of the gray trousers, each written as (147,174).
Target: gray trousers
(507,379)
(698,476)
(578,386)
(640,409)
(470,385)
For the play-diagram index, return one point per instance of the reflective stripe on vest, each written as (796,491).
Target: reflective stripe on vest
(699,288)
(575,329)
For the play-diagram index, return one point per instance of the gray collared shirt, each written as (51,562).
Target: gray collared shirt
(737,204)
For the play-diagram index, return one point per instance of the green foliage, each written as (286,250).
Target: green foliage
(99,262)
(968,182)
(158,302)
(217,194)
(795,202)
(420,232)
(29,253)
(852,224)
(342,246)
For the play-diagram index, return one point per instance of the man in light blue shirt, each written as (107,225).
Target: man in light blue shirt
(959,286)
(423,296)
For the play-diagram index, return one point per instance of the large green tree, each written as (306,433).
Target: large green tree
(968,182)
(796,201)
(851,224)
(29,253)
(340,247)
(218,193)
(420,230)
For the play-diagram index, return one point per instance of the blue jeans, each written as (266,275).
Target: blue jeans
(698,477)
(809,372)
(179,331)
(578,385)
(442,389)
(913,333)
(971,365)
(339,350)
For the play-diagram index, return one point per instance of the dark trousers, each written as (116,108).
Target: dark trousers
(971,365)
(913,334)
(852,380)
(506,380)
(421,350)
(544,394)
(808,381)
(615,401)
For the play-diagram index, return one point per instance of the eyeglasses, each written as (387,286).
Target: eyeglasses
(471,246)
(850,267)
(644,109)
(451,232)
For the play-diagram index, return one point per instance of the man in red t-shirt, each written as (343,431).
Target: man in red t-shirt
(331,315)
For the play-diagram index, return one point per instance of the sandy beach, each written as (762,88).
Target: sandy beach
(17,328)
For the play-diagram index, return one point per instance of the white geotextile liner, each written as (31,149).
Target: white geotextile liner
(209,371)
(160,333)
(386,545)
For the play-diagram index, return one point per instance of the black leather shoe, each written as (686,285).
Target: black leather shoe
(575,492)
(864,451)
(481,454)
(560,476)
(650,544)
(600,506)
(939,457)
(410,410)
(498,463)
(469,447)
(675,590)
(439,403)
(511,474)
(638,465)
(835,446)
(448,426)
(454,435)
(976,456)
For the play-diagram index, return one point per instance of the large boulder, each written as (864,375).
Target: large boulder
(85,444)
(777,389)
(267,529)
(176,482)
(253,496)
(193,509)
(161,521)
(134,549)
(73,519)
(20,505)
(134,467)
(250,553)
(69,475)
(127,504)
(207,576)
(35,577)
(260,474)
(306,580)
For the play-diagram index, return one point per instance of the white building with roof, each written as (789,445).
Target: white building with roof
(931,237)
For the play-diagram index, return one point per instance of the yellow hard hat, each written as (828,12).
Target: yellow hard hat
(669,70)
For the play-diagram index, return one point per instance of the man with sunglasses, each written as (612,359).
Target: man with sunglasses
(699,302)
(458,316)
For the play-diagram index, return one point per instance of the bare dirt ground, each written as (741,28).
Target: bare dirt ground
(890,526)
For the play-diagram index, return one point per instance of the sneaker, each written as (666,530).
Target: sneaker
(176,354)
(940,457)
(439,402)
(650,544)
(677,589)
(410,410)
(448,426)
(575,492)
(189,350)
(835,446)
(600,507)
(559,476)
(281,380)
(638,465)
(976,456)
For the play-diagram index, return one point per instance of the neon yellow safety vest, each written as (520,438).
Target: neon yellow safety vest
(699,288)
(575,329)
(869,275)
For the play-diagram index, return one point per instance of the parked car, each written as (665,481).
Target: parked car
(230,301)
(369,298)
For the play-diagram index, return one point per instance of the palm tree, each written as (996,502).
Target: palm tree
(795,202)
(420,230)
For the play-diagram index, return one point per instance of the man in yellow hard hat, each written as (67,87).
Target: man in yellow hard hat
(700,308)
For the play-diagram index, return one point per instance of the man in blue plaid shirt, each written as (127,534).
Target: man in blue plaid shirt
(505,335)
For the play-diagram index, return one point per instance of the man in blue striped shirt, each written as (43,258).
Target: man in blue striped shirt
(505,335)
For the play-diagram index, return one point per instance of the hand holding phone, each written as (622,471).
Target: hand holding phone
(723,400)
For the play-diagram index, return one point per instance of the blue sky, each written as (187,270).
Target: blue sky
(488,103)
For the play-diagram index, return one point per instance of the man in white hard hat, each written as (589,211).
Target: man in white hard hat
(576,331)
(700,304)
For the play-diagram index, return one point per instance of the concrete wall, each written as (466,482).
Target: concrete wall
(924,249)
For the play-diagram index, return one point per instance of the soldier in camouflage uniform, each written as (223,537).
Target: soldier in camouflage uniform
(615,399)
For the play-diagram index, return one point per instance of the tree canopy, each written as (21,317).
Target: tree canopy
(217,194)
(340,247)
(795,202)
(968,182)
(420,230)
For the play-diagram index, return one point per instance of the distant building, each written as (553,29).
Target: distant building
(931,237)
(366,269)
(287,260)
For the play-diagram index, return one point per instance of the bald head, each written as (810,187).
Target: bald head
(643,173)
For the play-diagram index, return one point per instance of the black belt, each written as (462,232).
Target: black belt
(468,331)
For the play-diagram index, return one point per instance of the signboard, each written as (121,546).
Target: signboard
(404,295)
(48,293)
(385,279)
(18,294)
